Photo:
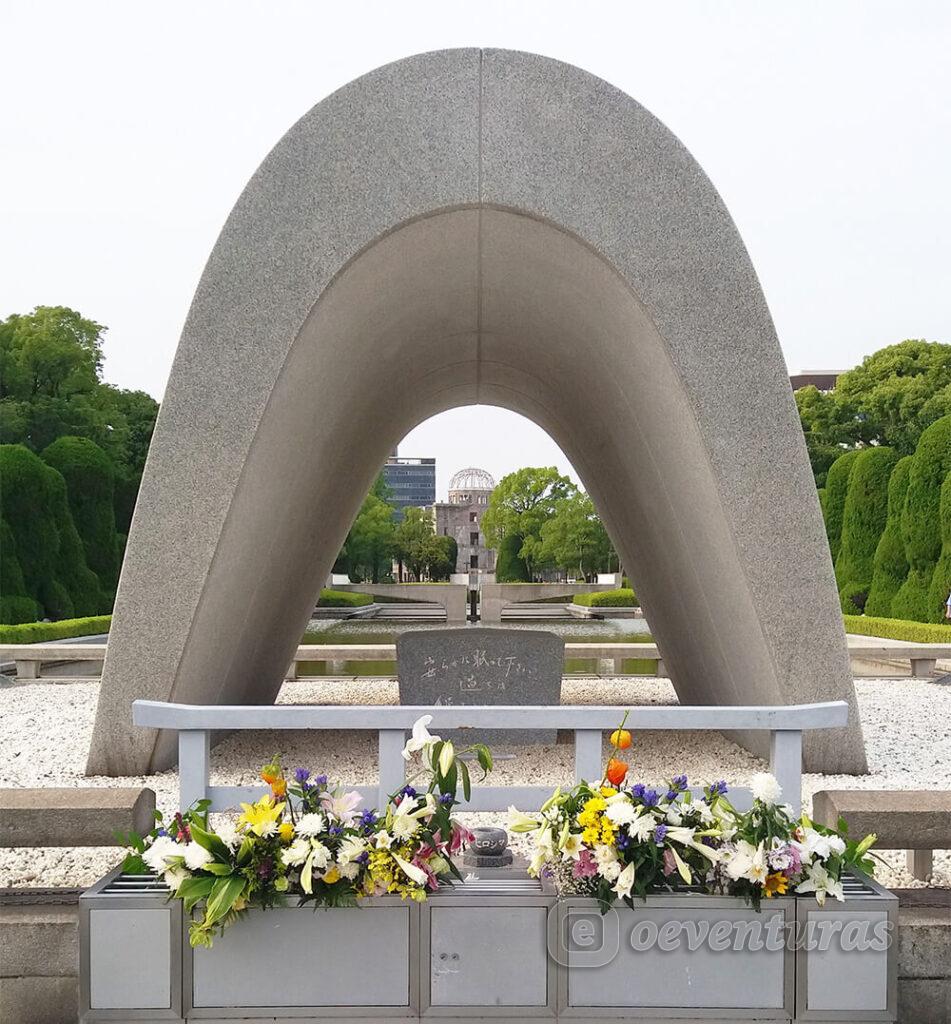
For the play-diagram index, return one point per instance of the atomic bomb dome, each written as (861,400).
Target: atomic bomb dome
(467,483)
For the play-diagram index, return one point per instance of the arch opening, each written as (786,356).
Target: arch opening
(474,302)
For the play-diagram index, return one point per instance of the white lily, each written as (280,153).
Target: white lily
(446,757)
(686,837)
(625,881)
(383,840)
(421,738)
(819,881)
(411,871)
(521,822)
(572,846)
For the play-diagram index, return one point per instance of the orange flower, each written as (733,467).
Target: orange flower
(775,885)
(620,739)
(616,771)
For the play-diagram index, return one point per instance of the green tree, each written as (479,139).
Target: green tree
(890,399)
(443,552)
(898,391)
(574,537)
(50,553)
(863,522)
(890,567)
(372,539)
(833,499)
(522,503)
(16,605)
(941,580)
(90,491)
(414,541)
(510,567)
(921,523)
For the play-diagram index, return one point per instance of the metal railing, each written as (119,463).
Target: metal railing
(195,724)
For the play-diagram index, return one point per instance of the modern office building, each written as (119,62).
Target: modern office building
(461,517)
(411,481)
(823,380)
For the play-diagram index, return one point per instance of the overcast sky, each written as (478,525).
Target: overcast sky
(130,129)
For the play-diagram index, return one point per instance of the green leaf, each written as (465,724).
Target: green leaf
(485,758)
(244,852)
(210,842)
(466,784)
(224,894)
(216,868)
(194,889)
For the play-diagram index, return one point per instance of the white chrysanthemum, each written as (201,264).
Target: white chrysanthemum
(310,825)
(815,844)
(174,877)
(161,849)
(641,827)
(766,788)
(196,856)
(350,849)
(295,854)
(621,812)
(605,857)
(228,834)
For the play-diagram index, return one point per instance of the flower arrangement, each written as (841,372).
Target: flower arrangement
(613,841)
(308,839)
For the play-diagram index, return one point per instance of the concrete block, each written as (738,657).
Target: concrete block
(917,819)
(38,1000)
(73,816)
(924,1000)
(39,940)
(924,943)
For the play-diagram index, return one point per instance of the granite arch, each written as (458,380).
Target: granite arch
(476,226)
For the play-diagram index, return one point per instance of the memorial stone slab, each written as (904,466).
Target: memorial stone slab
(482,666)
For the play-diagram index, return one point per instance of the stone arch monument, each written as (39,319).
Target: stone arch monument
(476,226)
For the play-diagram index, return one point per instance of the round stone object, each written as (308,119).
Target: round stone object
(488,849)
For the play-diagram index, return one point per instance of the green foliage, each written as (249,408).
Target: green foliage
(16,605)
(863,522)
(48,549)
(899,392)
(510,567)
(607,599)
(920,522)
(522,503)
(890,567)
(418,547)
(574,538)
(45,632)
(833,503)
(898,629)
(890,400)
(90,491)
(443,552)
(372,540)
(941,580)
(343,599)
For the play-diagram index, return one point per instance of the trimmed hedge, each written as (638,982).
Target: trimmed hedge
(342,599)
(941,580)
(16,605)
(863,523)
(607,599)
(898,629)
(833,499)
(509,567)
(48,547)
(920,522)
(90,492)
(44,632)
(890,567)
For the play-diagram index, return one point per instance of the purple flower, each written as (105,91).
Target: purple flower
(368,819)
(335,830)
(637,790)
(408,791)
(320,780)
(672,794)
(651,797)
(362,858)
(717,789)
(266,868)
(301,775)
(623,841)
(679,782)
(446,798)
(659,832)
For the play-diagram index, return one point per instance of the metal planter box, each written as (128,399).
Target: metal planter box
(680,956)
(847,957)
(130,950)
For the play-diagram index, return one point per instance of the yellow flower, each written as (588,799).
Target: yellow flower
(595,803)
(591,835)
(286,831)
(775,885)
(333,875)
(608,791)
(261,818)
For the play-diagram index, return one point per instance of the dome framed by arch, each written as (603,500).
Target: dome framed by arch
(476,226)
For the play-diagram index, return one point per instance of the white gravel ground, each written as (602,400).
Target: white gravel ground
(47,729)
